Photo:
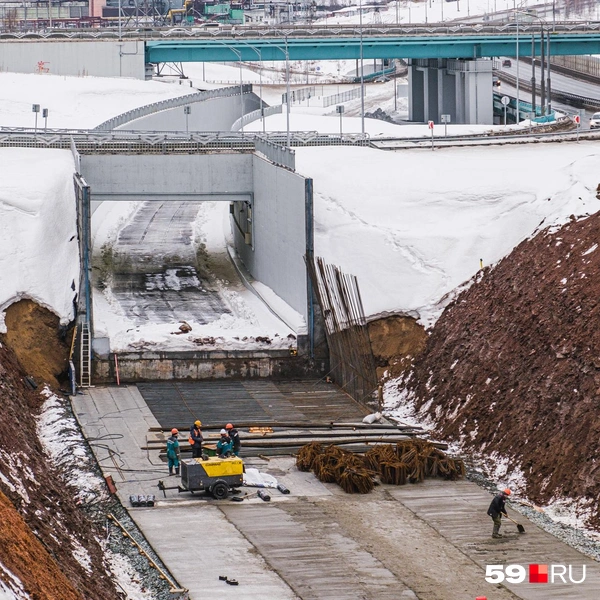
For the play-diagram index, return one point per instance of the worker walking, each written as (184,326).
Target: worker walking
(196,439)
(234,436)
(497,509)
(173,452)
(224,445)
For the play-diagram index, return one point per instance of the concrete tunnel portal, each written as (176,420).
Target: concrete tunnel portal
(270,215)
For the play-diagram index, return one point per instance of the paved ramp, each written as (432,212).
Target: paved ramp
(429,541)
(319,559)
(249,401)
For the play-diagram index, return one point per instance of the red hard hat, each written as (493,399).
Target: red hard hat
(229,426)
(174,431)
(507,492)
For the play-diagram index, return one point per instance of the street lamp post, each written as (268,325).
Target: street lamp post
(259,54)
(548,88)
(239,56)
(186,111)
(287,86)
(36,109)
(533,74)
(287,91)
(545,87)
(362,74)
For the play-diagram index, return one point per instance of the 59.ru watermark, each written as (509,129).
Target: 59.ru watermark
(535,573)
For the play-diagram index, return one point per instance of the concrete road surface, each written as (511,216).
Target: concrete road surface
(429,541)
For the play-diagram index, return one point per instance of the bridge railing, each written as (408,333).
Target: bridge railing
(276,153)
(155,107)
(305,30)
(255,115)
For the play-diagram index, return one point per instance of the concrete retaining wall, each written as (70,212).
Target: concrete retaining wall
(106,58)
(276,256)
(217,114)
(135,367)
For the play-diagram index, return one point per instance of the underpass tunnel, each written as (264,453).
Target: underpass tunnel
(157,267)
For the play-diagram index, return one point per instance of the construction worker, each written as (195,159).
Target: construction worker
(224,445)
(234,436)
(497,509)
(173,452)
(196,439)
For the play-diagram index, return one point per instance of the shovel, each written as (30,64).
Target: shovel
(519,526)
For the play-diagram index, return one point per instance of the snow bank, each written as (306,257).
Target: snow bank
(39,256)
(414,225)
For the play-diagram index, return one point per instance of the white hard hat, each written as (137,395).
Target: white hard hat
(223,431)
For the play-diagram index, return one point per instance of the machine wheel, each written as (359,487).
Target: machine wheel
(220,490)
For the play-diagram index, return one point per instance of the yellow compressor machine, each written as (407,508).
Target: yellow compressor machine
(216,475)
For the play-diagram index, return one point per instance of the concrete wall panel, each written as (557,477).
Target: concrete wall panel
(107,58)
(218,114)
(279,241)
(170,174)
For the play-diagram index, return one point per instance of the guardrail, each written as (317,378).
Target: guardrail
(279,155)
(156,142)
(306,30)
(566,97)
(155,107)
(255,115)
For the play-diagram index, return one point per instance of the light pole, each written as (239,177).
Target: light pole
(340,110)
(362,74)
(518,119)
(239,56)
(287,91)
(186,111)
(287,86)
(36,109)
(259,53)
(545,87)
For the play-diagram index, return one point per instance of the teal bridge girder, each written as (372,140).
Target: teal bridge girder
(333,48)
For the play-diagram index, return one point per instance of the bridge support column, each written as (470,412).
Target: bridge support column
(416,104)
(474,91)
(446,95)
(459,88)
(431,94)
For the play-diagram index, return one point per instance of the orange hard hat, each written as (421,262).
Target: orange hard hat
(174,431)
(229,426)
(507,492)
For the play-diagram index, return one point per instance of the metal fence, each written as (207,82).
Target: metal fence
(149,109)
(299,95)
(276,153)
(350,355)
(590,65)
(343,97)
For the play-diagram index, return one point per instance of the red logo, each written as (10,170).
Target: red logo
(538,573)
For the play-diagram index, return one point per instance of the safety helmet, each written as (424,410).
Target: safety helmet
(507,492)
(198,423)
(174,431)
(229,426)
(223,431)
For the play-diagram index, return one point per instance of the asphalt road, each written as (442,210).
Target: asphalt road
(155,275)
(558,82)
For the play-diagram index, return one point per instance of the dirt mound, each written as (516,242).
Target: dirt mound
(38,340)
(393,339)
(46,539)
(513,365)
(23,554)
